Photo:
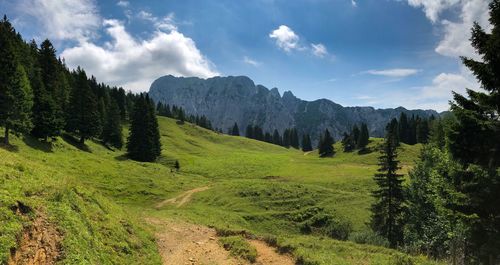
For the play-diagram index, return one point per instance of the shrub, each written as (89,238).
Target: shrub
(370,238)
(239,247)
(328,225)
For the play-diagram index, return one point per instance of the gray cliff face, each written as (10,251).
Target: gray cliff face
(226,100)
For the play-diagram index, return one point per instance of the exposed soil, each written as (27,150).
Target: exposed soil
(268,255)
(182,243)
(182,199)
(40,244)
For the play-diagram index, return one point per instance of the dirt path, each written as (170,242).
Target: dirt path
(268,255)
(182,199)
(184,243)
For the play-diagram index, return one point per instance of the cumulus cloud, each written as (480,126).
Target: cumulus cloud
(123,3)
(250,61)
(133,63)
(319,50)
(396,72)
(285,38)
(63,19)
(433,8)
(164,23)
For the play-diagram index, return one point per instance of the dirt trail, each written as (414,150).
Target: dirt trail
(268,255)
(182,199)
(183,243)
(40,244)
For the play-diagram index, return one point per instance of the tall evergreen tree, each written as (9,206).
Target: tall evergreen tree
(306,143)
(325,146)
(387,211)
(294,138)
(363,137)
(348,143)
(84,118)
(235,131)
(277,138)
(474,140)
(286,138)
(112,129)
(16,97)
(355,134)
(393,128)
(249,133)
(403,129)
(143,143)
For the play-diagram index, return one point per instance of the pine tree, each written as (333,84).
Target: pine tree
(403,129)
(249,133)
(16,98)
(348,142)
(181,116)
(276,138)
(143,143)
(306,143)
(112,129)
(393,128)
(294,138)
(355,134)
(387,211)
(286,138)
(422,130)
(474,140)
(84,118)
(235,131)
(363,137)
(325,146)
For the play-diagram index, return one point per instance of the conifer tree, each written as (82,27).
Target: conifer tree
(474,140)
(403,129)
(16,97)
(294,138)
(112,129)
(348,143)
(363,137)
(355,134)
(235,131)
(84,118)
(249,133)
(286,138)
(143,143)
(387,211)
(393,128)
(276,137)
(306,143)
(325,146)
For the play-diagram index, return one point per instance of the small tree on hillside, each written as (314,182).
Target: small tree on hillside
(306,143)
(363,137)
(325,146)
(235,131)
(348,143)
(387,211)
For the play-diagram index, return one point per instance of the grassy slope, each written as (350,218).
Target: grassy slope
(97,197)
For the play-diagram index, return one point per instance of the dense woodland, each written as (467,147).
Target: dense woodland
(448,209)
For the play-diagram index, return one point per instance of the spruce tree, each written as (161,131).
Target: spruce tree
(348,143)
(294,138)
(276,137)
(84,118)
(16,98)
(235,131)
(325,146)
(143,143)
(363,137)
(112,129)
(249,133)
(387,210)
(306,143)
(393,128)
(355,134)
(474,140)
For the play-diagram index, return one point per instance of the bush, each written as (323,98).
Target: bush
(239,247)
(326,224)
(401,259)
(369,237)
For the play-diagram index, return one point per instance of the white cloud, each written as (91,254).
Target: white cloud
(433,8)
(123,3)
(134,63)
(285,38)
(396,72)
(457,34)
(165,23)
(353,3)
(63,19)
(250,61)
(319,50)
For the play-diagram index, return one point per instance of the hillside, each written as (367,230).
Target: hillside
(96,200)
(226,100)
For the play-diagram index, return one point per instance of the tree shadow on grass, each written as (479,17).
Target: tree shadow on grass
(365,151)
(74,142)
(122,157)
(8,147)
(37,144)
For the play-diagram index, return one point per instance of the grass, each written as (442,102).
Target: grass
(98,198)
(239,247)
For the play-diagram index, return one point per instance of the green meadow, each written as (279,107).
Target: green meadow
(98,198)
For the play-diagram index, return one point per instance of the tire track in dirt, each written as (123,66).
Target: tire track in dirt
(181,199)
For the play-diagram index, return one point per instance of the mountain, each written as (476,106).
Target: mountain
(226,100)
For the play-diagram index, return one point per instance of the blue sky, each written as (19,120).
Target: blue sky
(383,53)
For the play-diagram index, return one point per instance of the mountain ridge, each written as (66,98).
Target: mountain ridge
(230,99)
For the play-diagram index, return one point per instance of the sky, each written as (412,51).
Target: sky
(380,53)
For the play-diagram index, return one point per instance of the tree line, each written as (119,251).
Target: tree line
(450,207)
(40,96)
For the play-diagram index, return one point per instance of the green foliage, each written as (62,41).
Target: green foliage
(84,118)
(387,211)
(363,137)
(369,237)
(235,131)
(306,143)
(328,225)
(239,247)
(325,145)
(112,130)
(144,139)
